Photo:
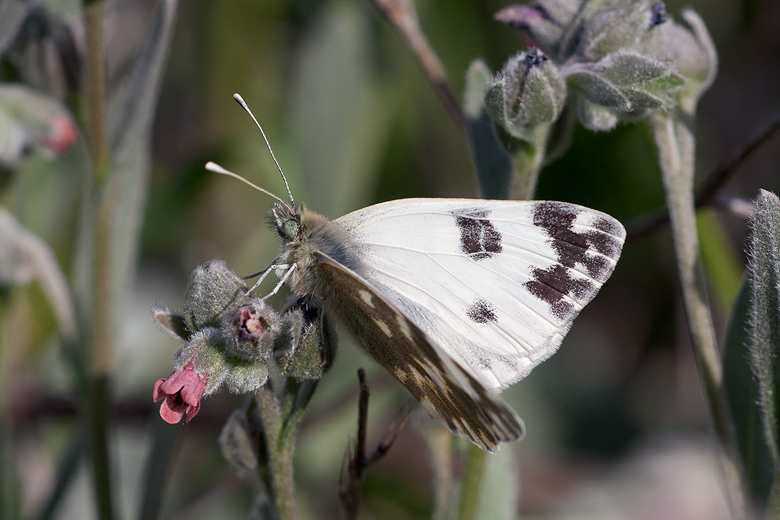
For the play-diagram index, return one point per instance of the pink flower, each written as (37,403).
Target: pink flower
(62,135)
(182,392)
(250,325)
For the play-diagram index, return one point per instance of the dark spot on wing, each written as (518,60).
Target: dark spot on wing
(553,285)
(481,311)
(479,238)
(607,226)
(572,247)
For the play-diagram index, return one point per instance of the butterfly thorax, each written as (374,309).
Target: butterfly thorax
(304,234)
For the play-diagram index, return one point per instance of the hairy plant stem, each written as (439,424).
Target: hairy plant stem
(102,312)
(280,443)
(440,443)
(674,138)
(471,485)
(528,161)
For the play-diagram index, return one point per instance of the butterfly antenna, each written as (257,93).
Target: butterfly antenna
(243,104)
(216,168)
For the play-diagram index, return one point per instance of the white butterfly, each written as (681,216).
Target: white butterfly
(456,298)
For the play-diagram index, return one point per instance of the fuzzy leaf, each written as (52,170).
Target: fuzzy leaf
(493,163)
(595,117)
(599,90)
(633,69)
(237,444)
(173,323)
(24,257)
(742,393)
(764,273)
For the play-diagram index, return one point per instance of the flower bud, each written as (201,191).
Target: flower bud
(624,83)
(304,347)
(528,91)
(32,121)
(535,23)
(691,51)
(617,28)
(211,290)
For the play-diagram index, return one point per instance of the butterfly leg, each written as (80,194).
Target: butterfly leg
(290,269)
(259,281)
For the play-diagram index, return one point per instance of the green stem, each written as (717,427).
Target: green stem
(102,311)
(280,445)
(676,151)
(471,485)
(441,442)
(528,162)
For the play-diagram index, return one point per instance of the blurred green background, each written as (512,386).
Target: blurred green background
(617,426)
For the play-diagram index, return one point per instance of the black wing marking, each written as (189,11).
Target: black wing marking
(440,384)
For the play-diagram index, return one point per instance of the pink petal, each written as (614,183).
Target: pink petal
(192,411)
(172,412)
(182,392)
(158,394)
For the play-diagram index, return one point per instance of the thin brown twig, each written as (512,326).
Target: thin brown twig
(349,493)
(402,14)
(708,188)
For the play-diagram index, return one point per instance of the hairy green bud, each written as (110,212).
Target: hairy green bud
(528,91)
(305,347)
(211,290)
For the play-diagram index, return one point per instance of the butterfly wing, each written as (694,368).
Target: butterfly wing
(405,350)
(496,284)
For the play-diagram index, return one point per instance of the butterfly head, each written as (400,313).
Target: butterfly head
(285,219)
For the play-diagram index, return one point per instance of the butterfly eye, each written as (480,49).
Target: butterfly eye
(291,229)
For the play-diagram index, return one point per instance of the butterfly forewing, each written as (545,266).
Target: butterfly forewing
(496,284)
(405,350)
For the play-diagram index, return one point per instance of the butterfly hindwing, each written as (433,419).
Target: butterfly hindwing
(405,350)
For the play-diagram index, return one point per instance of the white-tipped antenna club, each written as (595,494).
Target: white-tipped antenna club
(243,104)
(216,168)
